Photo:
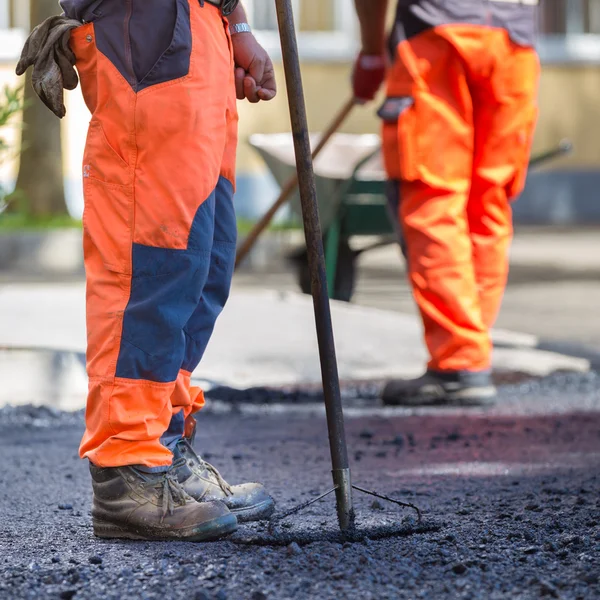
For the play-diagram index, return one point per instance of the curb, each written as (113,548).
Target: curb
(58,252)
(69,367)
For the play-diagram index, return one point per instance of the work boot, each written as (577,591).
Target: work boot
(248,501)
(434,388)
(141,506)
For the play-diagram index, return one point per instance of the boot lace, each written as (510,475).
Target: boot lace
(227,490)
(202,465)
(170,490)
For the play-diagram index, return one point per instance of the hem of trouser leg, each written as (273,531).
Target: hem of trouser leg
(460,368)
(152,470)
(102,465)
(482,371)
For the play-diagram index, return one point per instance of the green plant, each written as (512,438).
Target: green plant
(245,226)
(18,221)
(11,104)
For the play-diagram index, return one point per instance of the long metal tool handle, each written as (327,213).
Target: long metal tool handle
(290,185)
(316,263)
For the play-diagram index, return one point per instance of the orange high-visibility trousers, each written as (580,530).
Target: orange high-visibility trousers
(459,147)
(159,224)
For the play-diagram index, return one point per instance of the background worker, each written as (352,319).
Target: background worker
(160,78)
(458,125)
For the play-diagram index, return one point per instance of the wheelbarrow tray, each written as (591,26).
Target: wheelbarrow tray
(334,166)
(350,181)
(337,164)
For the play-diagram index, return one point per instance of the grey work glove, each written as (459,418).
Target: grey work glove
(47,50)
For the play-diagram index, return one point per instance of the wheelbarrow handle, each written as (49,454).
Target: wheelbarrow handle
(290,185)
(565,147)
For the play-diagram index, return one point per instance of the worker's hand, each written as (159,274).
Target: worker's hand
(254,72)
(368,76)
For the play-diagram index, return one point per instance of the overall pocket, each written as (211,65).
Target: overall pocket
(399,144)
(522,143)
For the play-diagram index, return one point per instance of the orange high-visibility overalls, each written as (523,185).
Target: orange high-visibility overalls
(159,224)
(458,127)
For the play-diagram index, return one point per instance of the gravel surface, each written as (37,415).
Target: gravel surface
(510,501)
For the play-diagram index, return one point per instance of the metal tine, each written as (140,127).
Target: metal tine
(388,499)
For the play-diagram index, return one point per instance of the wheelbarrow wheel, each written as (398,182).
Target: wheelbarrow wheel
(345,276)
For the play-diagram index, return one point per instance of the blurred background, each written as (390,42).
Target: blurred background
(553,293)
(569,46)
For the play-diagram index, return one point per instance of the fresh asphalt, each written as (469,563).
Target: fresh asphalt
(510,499)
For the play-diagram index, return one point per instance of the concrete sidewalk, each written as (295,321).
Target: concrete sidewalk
(539,248)
(262,339)
(553,290)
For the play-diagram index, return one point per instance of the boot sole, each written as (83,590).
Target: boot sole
(474,398)
(485,396)
(206,532)
(258,512)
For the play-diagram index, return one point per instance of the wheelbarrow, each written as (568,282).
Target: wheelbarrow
(351,188)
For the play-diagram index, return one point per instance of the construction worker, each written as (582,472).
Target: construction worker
(458,124)
(160,78)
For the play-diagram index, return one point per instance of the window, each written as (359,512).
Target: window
(5,15)
(570,17)
(262,15)
(570,30)
(14,14)
(327,29)
(311,15)
(14,22)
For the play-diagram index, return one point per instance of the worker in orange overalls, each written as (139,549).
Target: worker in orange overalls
(458,124)
(160,78)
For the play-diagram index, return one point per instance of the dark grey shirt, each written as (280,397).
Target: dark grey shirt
(518,17)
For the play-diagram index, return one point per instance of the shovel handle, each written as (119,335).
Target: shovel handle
(565,147)
(290,185)
(316,264)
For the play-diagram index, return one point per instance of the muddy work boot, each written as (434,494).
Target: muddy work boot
(435,388)
(248,501)
(141,506)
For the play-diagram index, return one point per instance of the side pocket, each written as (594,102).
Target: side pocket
(107,219)
(229,40)
(108,201)
(101,160)
(522,144)
(399,144)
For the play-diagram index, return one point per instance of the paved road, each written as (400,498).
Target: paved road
(510,502)
(553,292)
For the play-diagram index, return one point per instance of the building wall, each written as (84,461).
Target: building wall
(565,191)
(569,108)
(569,90)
